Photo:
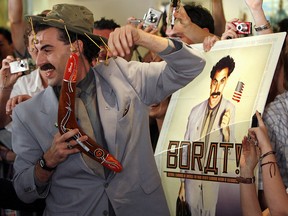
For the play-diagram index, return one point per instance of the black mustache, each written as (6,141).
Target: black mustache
(47,67)
(215,94)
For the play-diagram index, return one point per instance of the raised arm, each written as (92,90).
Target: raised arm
(219,17)
(261,22)
(15,14)
(123,38)
(248,193)
(275,193)
(7,81)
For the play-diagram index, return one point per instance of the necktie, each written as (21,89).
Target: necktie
(206,125)
(205,132)
(85,124)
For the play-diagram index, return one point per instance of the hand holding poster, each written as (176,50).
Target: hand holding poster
(199,148)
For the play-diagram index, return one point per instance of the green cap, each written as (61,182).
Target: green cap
(76,18)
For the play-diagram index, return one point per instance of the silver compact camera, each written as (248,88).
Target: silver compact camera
(152,17)
(243,27)
(19,66)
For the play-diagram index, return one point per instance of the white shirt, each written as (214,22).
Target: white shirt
(30,84)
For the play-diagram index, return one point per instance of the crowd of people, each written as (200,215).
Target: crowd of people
(125,102)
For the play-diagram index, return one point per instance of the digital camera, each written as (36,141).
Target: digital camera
(135,22)
(152,17)
(243,27)
(19,66)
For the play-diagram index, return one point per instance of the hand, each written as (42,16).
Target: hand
(140,25)
(182,192)
(249,157)
(230,30)
(122,39)
(61,148)
(260,134)
(209,42)
(7,80)
(12,102)
(254,4)
(182,17)
(225,125)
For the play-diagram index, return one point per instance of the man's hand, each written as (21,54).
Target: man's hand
(61,148)
(12,102)
(182,17)
(230,30)
(209,42)
(59,151)
(182,192)
(122,39)
(7,80)
(225,125)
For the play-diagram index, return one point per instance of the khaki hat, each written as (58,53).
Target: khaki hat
(76,18)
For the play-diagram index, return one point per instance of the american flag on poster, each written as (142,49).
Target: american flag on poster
(238,91)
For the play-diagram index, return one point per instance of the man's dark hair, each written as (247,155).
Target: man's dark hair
(283,25)
(7,34)
(225,62)
(105,24)
(89,48)
(200,16)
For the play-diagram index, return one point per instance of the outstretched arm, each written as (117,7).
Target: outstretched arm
(123,38)
(219,17)
(15,14)
(255,7)
(248,194)
(275,193)
(7,81)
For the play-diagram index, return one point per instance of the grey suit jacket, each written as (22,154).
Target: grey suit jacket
(74,189)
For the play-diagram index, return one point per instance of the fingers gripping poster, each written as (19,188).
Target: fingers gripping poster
(199,148)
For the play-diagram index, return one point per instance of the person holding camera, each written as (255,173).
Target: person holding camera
(15,89)
(192,24)
(116,95)
(261,25)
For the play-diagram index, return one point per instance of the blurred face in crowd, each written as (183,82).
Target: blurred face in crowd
(51,55)
(177,31)
(5,48)
(158,111)
(102,32)
(217,86)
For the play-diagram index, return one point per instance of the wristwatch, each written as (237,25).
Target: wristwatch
(43,165)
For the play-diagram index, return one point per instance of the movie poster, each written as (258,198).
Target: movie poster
(198,151)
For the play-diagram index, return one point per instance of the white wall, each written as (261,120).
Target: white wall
(119,10)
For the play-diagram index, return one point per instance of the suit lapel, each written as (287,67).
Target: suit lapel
(112,106)
(49,107)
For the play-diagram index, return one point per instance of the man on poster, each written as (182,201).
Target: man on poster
(210,121)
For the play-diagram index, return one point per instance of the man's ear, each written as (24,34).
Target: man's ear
(78,46)
(206,29)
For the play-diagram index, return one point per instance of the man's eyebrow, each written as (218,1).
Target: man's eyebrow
(223,78)
(45,46)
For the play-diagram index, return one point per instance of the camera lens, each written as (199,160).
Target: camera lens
(242,27)
(152,18)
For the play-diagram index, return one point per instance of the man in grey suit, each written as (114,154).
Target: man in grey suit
(210,121)
(121,92)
